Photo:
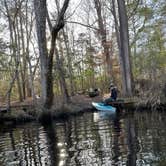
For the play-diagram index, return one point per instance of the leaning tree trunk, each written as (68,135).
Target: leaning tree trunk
(46,60)
(56,29)
(125,49)
(8,93)
(66,98)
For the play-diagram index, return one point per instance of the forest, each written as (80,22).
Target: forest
(54,50)
(82,82)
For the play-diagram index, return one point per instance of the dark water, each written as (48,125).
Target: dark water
(91,139)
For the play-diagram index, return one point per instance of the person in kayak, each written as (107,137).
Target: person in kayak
(113,94)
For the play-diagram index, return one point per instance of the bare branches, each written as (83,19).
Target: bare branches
(48,20)
(85,25)
(59,25)
(134,10)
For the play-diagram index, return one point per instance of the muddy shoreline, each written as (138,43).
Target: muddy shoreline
(26,112)
(29,113)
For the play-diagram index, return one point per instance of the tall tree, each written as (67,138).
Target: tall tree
(46,81)
(69,60)
(125,49)
(13,50)
(45,57)
(103,34)
(59,62)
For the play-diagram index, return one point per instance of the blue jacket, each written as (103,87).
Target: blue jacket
(114,94)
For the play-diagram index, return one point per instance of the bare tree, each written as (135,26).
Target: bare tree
(125,49)
(69,59)
(103,34)
(46,58)
(14,52)
(59,64)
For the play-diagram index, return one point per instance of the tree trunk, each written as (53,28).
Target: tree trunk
(46,60)
(28,38)
(62,78)
(65,36)
(24,67)
(59,63)
(8,94)
(16,51)
(122,68)
(125,49)
(103,34)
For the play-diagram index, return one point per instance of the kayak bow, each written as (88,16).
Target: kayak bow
(103,107)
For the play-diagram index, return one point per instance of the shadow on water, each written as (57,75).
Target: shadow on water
(51,139)
(98,138)
(132,141)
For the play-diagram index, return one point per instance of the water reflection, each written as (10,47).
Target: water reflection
(91,139)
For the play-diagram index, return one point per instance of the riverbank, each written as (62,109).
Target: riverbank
(26,112)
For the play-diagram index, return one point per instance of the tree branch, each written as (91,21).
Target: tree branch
(57,27)
(79,23)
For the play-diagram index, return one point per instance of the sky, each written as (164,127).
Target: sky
(73,11)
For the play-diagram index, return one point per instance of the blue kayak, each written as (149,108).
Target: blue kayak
(102,107)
